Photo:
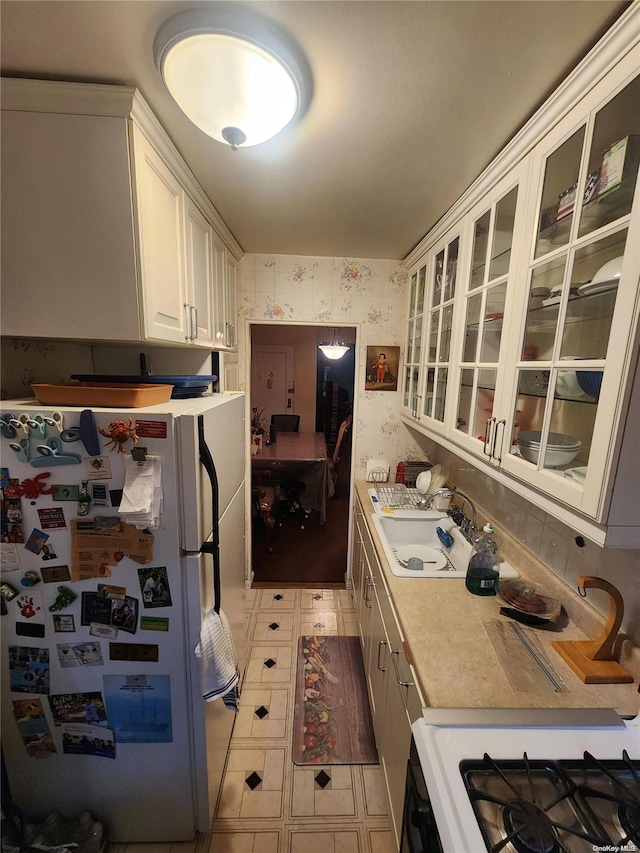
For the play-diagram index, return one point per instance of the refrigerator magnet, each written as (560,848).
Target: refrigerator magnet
(36,541)
(106,632)
(66,493)
(140,652)
(64,623)
(55,574)
(154,623)
(99,494)
(154,584)
(98,468)
(30,605)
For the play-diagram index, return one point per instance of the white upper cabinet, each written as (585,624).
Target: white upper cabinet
(522,331)
(103,224)
(225,297)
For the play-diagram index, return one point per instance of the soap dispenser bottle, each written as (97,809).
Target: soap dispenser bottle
(482,574)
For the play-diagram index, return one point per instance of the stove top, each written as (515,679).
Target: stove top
(531,781)
(531,806)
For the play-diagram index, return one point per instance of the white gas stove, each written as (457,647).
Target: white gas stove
(523,781)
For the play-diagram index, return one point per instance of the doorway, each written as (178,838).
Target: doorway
(321,392)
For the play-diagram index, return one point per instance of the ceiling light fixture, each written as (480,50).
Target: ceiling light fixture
(238,77)
(336,349)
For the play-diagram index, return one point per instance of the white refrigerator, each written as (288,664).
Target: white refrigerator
(159,779)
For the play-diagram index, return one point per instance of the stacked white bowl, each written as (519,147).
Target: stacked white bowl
(561,448)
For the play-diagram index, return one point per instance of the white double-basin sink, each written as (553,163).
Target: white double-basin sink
(401,536)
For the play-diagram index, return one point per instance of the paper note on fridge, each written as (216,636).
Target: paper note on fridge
(101,542)
(141,502)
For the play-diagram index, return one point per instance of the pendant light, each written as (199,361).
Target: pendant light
(336,349)
(235,76)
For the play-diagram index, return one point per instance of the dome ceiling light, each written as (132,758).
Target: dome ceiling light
(237,77)
(336,349)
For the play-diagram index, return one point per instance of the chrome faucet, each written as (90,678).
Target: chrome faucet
(469,529)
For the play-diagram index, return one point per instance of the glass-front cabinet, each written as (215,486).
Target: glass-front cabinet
(438,325)
(523,327)
(581,294)
(485,306)
(413,348)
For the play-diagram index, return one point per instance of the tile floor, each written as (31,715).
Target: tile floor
(267,804)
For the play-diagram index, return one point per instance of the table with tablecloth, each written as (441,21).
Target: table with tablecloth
(297,456)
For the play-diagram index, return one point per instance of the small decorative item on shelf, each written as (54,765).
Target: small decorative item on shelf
(619,164)
(592,186)
(566,202)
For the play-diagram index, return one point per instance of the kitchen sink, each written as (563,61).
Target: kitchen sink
(400,535)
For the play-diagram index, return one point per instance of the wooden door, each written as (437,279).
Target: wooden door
(271,378)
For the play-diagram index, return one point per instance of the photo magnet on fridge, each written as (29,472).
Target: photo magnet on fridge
(55,574)
(64,624)
(29,669)
(33,727)
(154,584)
(36,541)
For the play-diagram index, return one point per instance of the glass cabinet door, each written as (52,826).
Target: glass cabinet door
(414,340)
(573,289)
(438,331)
(477,422)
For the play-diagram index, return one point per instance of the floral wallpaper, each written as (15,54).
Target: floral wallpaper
(32,360)
(336,292)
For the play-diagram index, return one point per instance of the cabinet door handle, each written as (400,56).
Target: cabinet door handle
(487,427)
(495,439)
(416,413)
(227,334)
(401,683)
(194,322)
(232,335)
(189,322)
(369,585)
(380,645)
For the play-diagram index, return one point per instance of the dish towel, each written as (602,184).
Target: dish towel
(219,675)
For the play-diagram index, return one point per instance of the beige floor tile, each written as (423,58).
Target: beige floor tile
(267,841)
(341,841)
(382,841)
(269,664)
(375,795)
(278,627)
(310,799)
(278,599)
(320,622)
(252,722)
(239,799)
(251,598)
(350,626)
(345,600)
(318,599)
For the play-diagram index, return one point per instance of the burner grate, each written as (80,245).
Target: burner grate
(527,806)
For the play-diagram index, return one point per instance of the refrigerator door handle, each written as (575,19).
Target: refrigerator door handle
(212,547)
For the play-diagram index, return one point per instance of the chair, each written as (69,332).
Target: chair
(335,457)
(286,423)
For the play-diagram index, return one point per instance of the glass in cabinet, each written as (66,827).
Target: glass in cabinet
(484,304)
(414,340)
(435,366)
(580,301)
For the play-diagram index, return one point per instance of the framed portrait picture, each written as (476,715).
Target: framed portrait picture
(63,623)
(382,368)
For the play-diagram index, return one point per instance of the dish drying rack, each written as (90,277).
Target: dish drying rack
(397,501)
(391,497)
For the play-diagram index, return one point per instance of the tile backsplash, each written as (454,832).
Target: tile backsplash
(552,541)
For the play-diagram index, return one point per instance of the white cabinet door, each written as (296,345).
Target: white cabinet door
(572,357)
(224,274)
(200,290)
(160,204)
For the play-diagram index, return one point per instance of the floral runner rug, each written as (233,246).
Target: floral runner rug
(332,720)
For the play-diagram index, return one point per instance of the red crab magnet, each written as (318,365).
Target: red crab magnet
(119,433)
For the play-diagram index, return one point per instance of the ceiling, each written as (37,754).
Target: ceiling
(411,101)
